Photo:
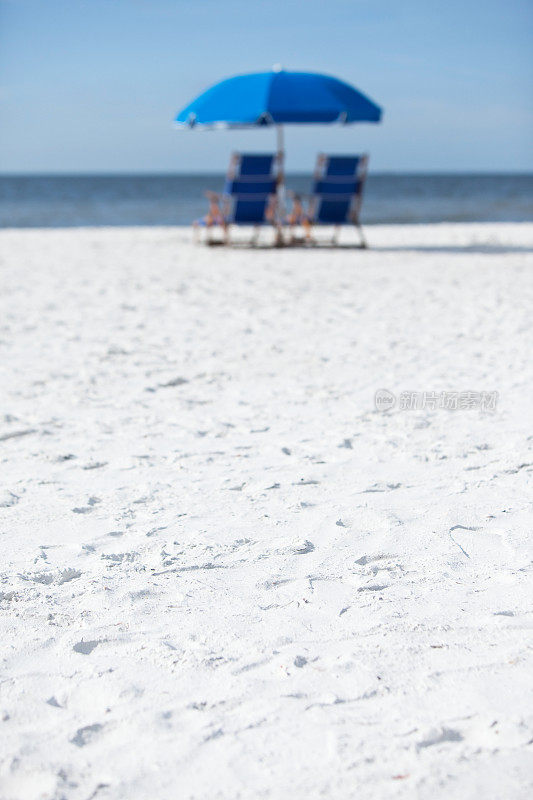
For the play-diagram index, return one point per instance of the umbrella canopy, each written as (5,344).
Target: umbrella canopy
(278,98)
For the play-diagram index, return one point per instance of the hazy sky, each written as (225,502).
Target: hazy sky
(93,85)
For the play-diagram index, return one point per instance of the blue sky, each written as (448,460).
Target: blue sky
(93,85)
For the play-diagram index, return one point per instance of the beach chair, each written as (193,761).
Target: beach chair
(249,197)
(338,193)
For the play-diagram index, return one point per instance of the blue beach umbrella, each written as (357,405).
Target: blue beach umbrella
(277,98)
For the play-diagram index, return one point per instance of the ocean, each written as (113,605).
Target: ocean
(117,200)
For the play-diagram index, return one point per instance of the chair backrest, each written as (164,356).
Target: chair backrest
(254,163)
(340,166)
(338,189)
(250,187)
(259,185)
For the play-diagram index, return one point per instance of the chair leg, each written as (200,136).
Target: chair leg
(362,235)
(255,236)
(335,237)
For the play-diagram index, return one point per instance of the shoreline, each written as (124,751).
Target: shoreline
(488,237)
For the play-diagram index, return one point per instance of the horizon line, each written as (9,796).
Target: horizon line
(202,173)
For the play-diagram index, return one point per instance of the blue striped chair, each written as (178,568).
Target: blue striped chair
(249,195)
(338,193)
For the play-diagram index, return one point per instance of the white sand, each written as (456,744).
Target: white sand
(224,573)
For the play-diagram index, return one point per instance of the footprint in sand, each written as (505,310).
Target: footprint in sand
(87,734)
(86,647)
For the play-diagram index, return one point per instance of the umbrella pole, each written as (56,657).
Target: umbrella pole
(281,154)
(281,184)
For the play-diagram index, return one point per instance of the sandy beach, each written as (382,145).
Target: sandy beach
(227,574)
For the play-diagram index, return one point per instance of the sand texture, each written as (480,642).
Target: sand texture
(224,573)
